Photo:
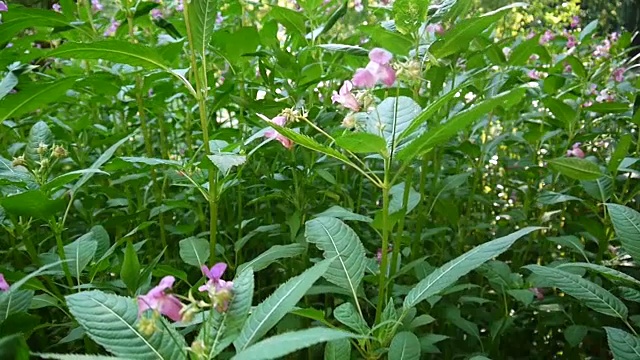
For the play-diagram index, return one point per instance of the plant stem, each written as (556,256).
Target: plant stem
(382,282)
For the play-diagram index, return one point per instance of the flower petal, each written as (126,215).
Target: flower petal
(217,271)
(386,74)
(380,56)
(364,78)
(171,306)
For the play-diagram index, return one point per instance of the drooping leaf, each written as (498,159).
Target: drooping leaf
(274,253)
(66,178)
(622,148)
(450,272)
(337,350)
(278,346)
(7,84)
(117,51)
(111,321)
(32,203)
(362,143)
(576,168)
(349,49)
(396,203)
(221,329)
(194,251)
(574,334)
(149,161)
(607,272)
(623,345)
(600,189)
(19,19)
(404,346)
(310,143)
(560,110)
(337,239)
(626,223)
(77,357)
(267,314)
(589,294)
(14,301)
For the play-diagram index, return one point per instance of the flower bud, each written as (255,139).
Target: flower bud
(19,161)
(59,152)
(199,349)
(42,148)
(147,326)
(349,122)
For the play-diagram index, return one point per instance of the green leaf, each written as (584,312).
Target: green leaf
(77,357)
(343,214)
(609,107)
(226,161)
(66,178)
(560,110)
(574,334)
(150,161)
(458,38)
(14,301)
(290,19)
(8,83)
(32,203)
(274,253)
(622,148)
(277,305)
(14,347)
(337,15)
(79,254)
(459,121)
(348,315)
(429,112)
(104,157)
(342,48)
(362,143)
(521,53)
(221,329)
(310,143)
(626,223)
(397,199)
(194,251)
(600,189)
(589,294)
(393,41)
(576,168)
(280,345)
(569,241)
(337,350)
(117,51)
(391,118)
(110,320)
(623,345)
(19,19)
(450,272)
(130,271)
(404,346)
(39,134)
(336,238)
(33,97)
(588,29)
(201,20)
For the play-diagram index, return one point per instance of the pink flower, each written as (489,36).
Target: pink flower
(567,68)
(576,151)
(435,28)
(357,5)
(4,285)
(345,97)
(533,57)
(156,14)
(571,42)
(618,75)
(220,291)
(179,5)
(111,30)
(219,18)
(614,36)
(56,7)
(156,299)
(605,96)
(534,74)
(575,22)
(379,254)
(602,50)
(272,134)
(538,293)
(587,104)
(378,69)
(530,35)
(592,89)
(96,6)
(546,37)
(3,7)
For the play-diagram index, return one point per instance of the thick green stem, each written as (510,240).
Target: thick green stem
(397,240)
(382,281)
(60,245)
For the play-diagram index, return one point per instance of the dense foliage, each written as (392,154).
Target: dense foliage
(316,179)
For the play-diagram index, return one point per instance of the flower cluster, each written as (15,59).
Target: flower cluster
(575,151)
(158,300)
(220,291)
(377,70)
